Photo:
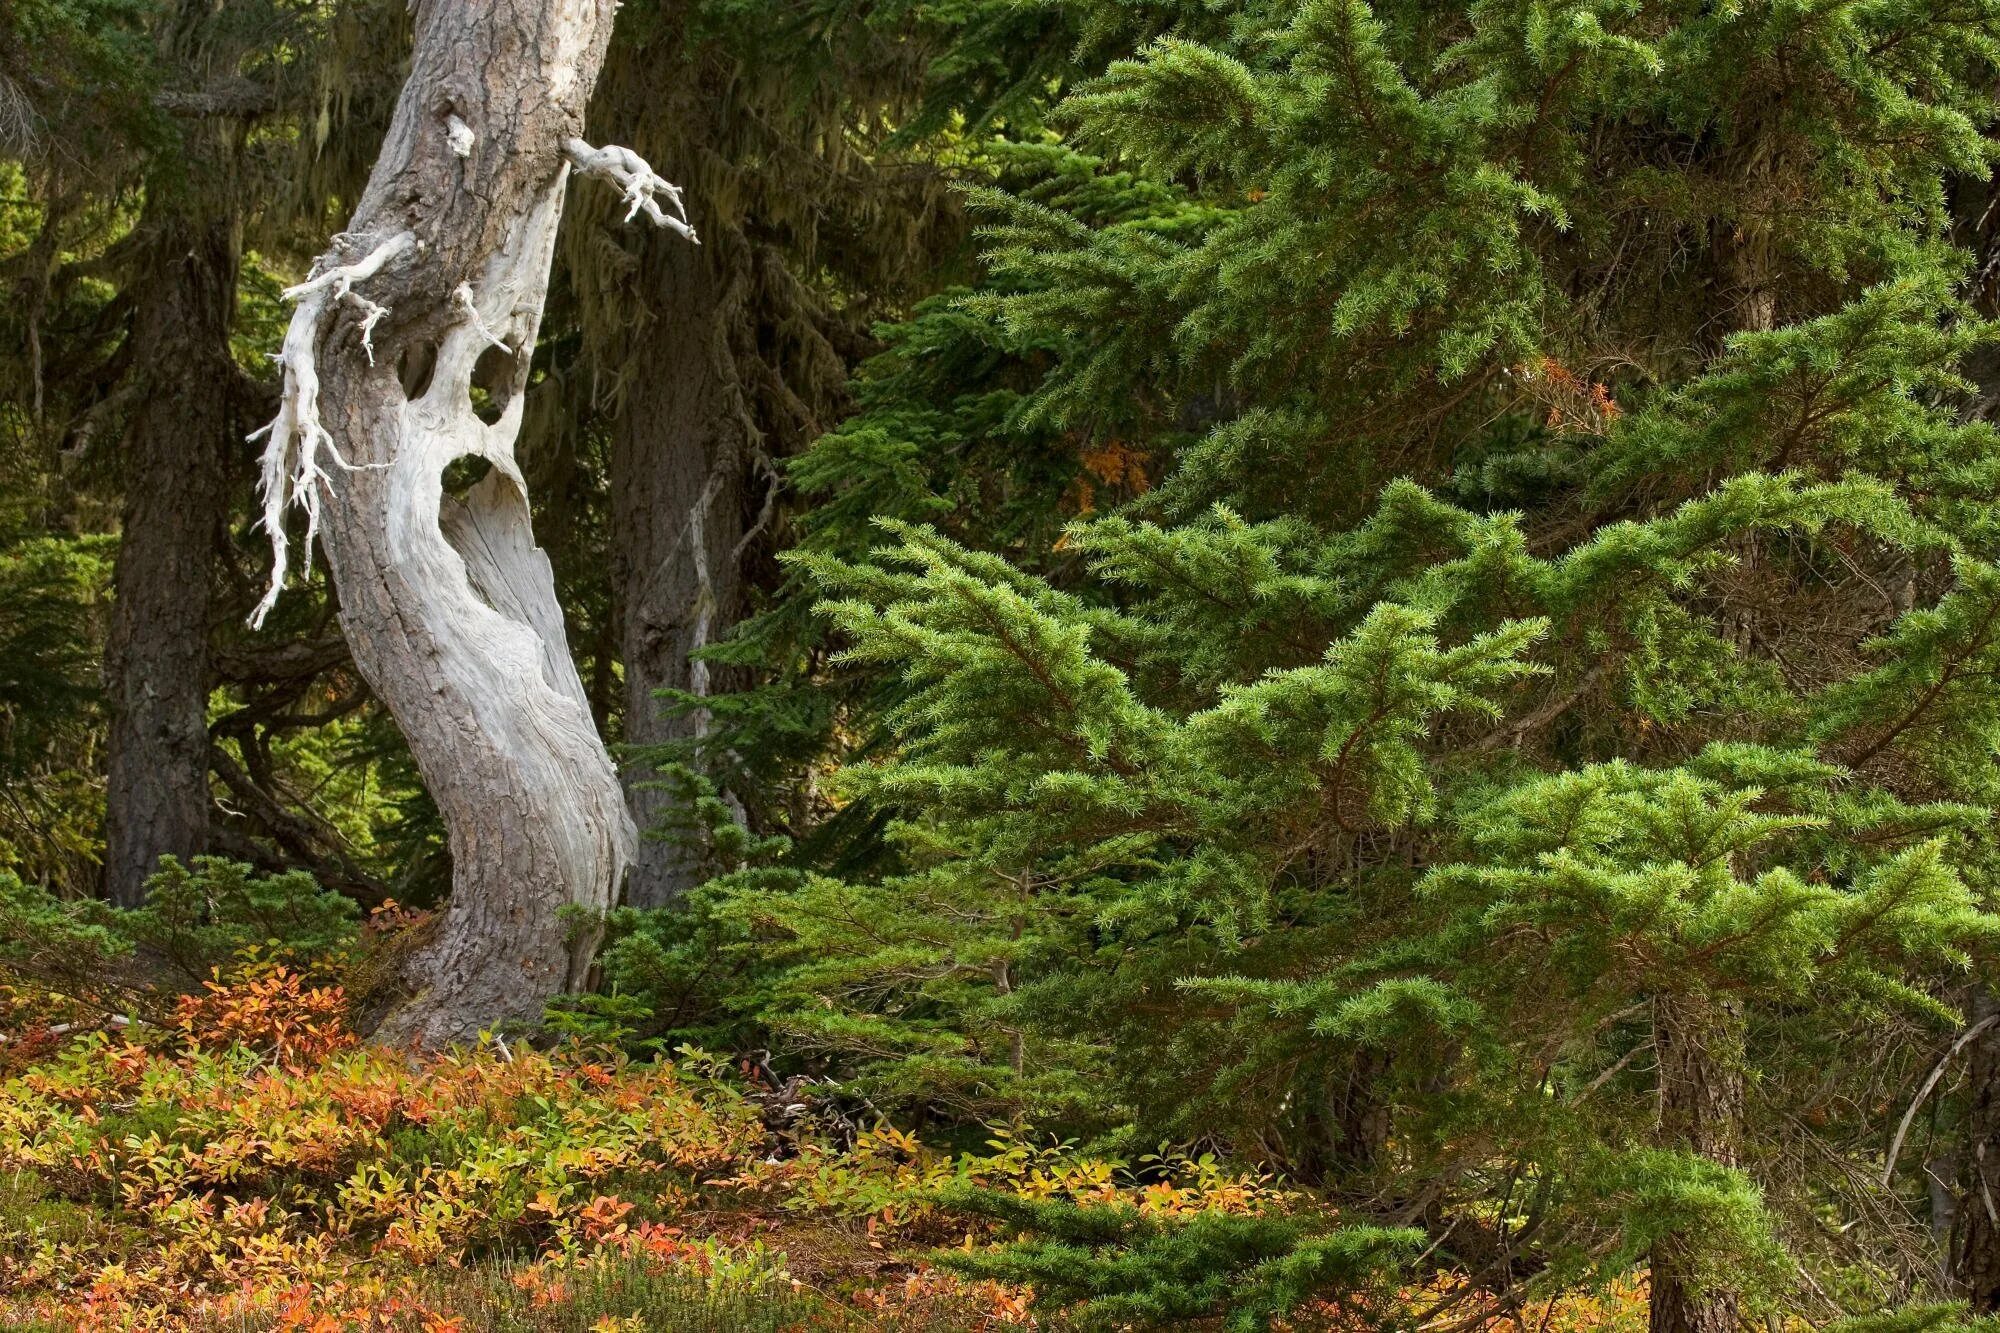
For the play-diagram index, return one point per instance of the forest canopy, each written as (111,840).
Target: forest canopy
(780,664)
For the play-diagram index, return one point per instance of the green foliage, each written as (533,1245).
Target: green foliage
(1921,1319)
(942,433)
(78,71)
(1553,627)
(1116,1266)
(1713,1218)
(52,608)
(1647,882)
(1424,612)
(637,1295)
(671,977)
(53,593)
(195,920)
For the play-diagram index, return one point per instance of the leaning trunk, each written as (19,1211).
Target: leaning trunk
(678,459)
(176,451)
(1699,1042)
(436,288)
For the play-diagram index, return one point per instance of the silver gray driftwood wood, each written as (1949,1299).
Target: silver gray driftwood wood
(438,284)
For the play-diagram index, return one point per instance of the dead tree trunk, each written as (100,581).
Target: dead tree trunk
(436,288)
(1700,1046)
(175,461)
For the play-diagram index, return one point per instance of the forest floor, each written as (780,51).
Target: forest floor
(254,1167)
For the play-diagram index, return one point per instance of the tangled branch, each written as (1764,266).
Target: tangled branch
(642,187)
(295,443)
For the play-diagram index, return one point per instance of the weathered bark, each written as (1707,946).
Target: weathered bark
(176,457)
(449,605)
(678,485)
(1700,1046)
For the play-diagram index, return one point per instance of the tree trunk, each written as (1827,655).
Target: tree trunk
(708,402)
(1971,1216)
(449,605)
(1700,1046)
(1975,1247)
(176,452)
(678,464)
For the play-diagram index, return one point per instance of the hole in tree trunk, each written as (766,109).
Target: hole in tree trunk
(461,474)
(414,366)
(492,383)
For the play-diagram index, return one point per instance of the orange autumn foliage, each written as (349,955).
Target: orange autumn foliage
(1573,404)
(254,1164)
(272,1011)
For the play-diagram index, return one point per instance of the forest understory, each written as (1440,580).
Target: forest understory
(789,664)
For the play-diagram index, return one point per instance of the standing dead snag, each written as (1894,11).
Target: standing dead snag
(436,288)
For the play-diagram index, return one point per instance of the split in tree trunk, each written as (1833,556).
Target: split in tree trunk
(449,605)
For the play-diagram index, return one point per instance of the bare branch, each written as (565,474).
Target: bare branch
(225,97)
(342,277)
(642,187)
(470,304)
(1937,1072)
(297,442)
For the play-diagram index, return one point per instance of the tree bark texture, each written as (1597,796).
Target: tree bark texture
(679,480)
(177,449)
(448,603)
(1699,1041)
(720,362)
(1970,1215)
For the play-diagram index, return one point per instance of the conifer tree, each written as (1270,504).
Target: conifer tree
(820,141)
(151,146)
(1534,731)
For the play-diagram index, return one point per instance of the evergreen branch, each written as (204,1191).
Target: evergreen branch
(1931,695)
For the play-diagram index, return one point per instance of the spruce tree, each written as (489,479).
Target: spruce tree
(1536,735)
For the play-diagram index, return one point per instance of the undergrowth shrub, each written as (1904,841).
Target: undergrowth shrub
(211,915)
(1117,1265)
(271,1011)
(248,1165)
